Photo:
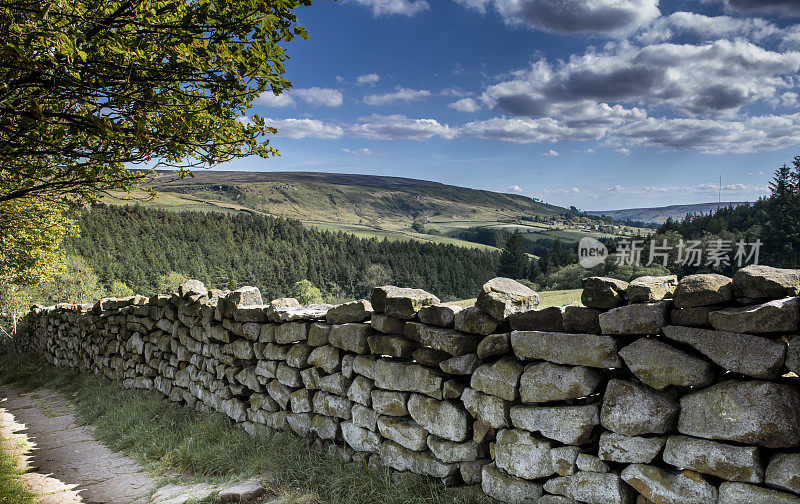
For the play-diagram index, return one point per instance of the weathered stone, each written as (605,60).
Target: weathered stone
(592,488)
(360,439)
(249,379)
(741,493)
(390,403)
(633,409)
(363,365)
(325,427)
(365,417)
(499,485)
(280,393)
(310,377)
(461,365)
(520,454)
(546,319)
(392,345)
(730,462)
(446,340)
(241,349)
(660,485)
(449,451)
(244,296)
(753,412)
(581,319)
(703,290)
(442,315)
(446,419)
(490,410)
(473,320)
(793,355)
(555,499)
(360,391)
(757,281)
(288,375)
(471,471)
(326,358)
(332,405)
(386,324)
(402,459)
(300,401)
(545,382)
(354,311)
(647,318)
(318,334)
(566,424)
(660,365)
(401,302)
(649,289)
(602,292)
(564,458)
(500,379)
(350,337)
(629,449)
(403,376)
(298,355)
(291,332)
(494,345)
(780,315)
(783,472)
(500,297)
(245,491)
(561,348)
(190,287)
(453,389)
(740,353)
(335,383)
(591,463)
(691,317)
(430,357)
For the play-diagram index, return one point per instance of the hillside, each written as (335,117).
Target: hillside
(659,215)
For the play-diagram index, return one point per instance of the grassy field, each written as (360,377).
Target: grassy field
(546,298)
(167,439)
(12,490)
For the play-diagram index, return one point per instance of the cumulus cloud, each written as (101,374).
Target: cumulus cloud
(707,27)
(371,79)
(465,105)
(551,153)
(392,127)
(305,128)
(270,99)
(394,7)
(572,16)
(316,96)
(358,152)
(400,94)
(785,7)
(515,188)
(527,130)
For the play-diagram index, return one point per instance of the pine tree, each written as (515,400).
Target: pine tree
(513,260)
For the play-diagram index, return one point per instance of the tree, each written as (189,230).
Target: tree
(90,88)
(305,292)
(170,281)
(118,289)
(76,284)
(513,260)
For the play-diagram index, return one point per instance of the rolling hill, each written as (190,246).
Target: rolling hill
(659,215)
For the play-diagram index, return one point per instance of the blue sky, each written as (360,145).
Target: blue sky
(600,104)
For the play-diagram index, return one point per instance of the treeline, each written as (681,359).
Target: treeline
(138,246)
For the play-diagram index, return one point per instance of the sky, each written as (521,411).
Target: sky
(600,104)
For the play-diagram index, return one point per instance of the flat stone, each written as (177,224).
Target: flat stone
(649,289)
(581,319)
(727,461)
(363,365)
(473,320)
(591,463)
(318,334)
(442,315)
(386,324)
(691,317)
(660,365)
(403,431)
(757,281)
(647,318)
(449,451)
(291,332)
(446,419)
(392,345)
(332,405)
(660,485)
(566,424)
(522,455)
(592,488)
(703,290)
(402,459)
(241,492)
(500,297)
(564,459)
(546,382)
(753,412)
(742,493)
(500,379)
(360,439)
(407,377)
(354,311)
(490,410)
(545,319)
(446,340)
(326,358)
(494,345)
(390,403)
(401,302)
(336,383)
(634,409)
(461,365)
(561,348)
(602,292)
(783,472)
(630,449)
(505,488)
(780,315)
(740,353)
(350,337)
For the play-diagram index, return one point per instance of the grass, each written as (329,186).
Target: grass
(12,490)
(167,438)
(546,298)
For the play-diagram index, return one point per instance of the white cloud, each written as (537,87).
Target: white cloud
(708,27)
(371,79)
(394,7)
(400,94)
(515,188)
(340,79)
(391,127)
(622,150)
(789,8)
(551,153)
(527,130)
(316,96)
(269,99)
(358,152)
(465,105)
(305,128)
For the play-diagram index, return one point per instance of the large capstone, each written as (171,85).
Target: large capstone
(561,348)
(780,315)
(660,365)
(756,281)
(354,311)
(634,409)
(660,485)
(546,319)
(500,297)
(702,290)
(520,454)
(446,419)
(647,318)
(649,289)
(603,293)
(727,461)
(401,302)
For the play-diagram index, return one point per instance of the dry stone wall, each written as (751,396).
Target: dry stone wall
(658,391)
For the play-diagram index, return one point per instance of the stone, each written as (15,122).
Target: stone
(646,318)
(566,424)
(291,332)
(545,319)
(581,319)
(363,365)
(603,293)
(520,454)
(453,389)
(499,485)
(446,340)
(703,290)
(336,383)
(326,358)
(298,355)
(649,289)
(241,349)
(494,345)
(360,390)
(245,491)
(430,357)
(354,311)
(462,365)
(752,412)
(546,382)
(190,287)
(404,376)
(350,337)
(592,488)
(555,499)
(490,410)
(660,485)
(740,353)
(311,378)
(634,409)
(276,352)
(446,419)
(325,427)
(365,417)
(288,375)
(757,281)
(742,493)
(386,324)
(660,365)
(403,459)
(300,401)
(360,439)
(783,472)
(449,451)
(471,471)
(318,334)
(392,345)
(473,320)
(442,315)
(591,463)
(332,405)
(691,317)
(500,297)
(561,348)
(793,355)
(564,458)
(390,403)
(727,461)
(500,379)
(780,315)
(400,302)
(629,449)
(244,296)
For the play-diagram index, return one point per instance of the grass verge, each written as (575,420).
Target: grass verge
(167,438)
(12,489)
